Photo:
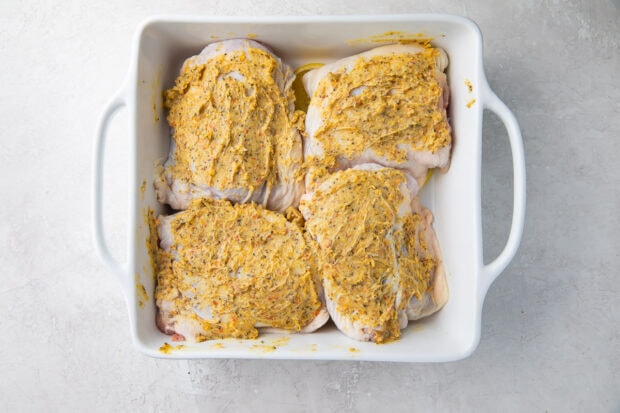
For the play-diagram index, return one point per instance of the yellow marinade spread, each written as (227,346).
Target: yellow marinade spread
(242,264)
(367,253)
(232,123)
(388,103)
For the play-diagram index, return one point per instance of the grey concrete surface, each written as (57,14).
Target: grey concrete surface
(551,323)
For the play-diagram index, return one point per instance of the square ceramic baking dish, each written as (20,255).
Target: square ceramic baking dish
(160,46)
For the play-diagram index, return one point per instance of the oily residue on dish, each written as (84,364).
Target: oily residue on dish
(393,36)
(168,348)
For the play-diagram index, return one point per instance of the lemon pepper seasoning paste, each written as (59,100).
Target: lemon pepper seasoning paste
(388,103)
(234,267)
(233,125)
(373,258)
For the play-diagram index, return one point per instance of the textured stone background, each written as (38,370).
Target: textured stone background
(551,323)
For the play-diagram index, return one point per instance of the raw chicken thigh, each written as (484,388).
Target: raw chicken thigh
(235,132)
(378,254)
(226,270)
(386,106)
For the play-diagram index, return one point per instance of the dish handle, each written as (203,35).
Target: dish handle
(117,102)
(492,270)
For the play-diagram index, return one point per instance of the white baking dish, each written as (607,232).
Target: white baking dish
(161,45)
